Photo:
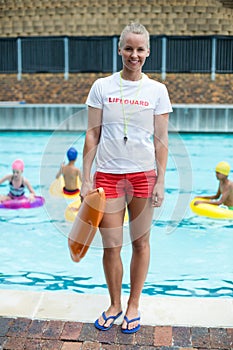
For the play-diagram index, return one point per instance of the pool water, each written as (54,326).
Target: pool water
(190,255)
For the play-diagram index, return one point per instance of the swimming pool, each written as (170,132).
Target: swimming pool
(190,256)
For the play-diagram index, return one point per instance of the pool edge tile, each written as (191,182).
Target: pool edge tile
(155,311)
(15,303)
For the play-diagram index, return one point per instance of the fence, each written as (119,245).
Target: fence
(169,54)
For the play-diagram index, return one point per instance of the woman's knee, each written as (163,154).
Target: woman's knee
(112,253)
(141,244)
(112,237)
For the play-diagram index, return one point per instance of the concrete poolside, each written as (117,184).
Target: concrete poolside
(64,320)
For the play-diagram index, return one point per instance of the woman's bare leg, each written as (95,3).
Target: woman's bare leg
(112,232)
(141,214)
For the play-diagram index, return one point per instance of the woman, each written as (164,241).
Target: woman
(127,135)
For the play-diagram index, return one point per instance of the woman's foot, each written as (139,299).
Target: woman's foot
(131,323)
(107,319)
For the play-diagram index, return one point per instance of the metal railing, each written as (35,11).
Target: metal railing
(169,54)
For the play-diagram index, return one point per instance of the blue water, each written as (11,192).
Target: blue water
(190,255)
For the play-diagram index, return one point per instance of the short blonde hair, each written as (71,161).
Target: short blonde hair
(135,28)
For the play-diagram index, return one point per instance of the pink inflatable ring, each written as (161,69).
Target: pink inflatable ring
(23,202)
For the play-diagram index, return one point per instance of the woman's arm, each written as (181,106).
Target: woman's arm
(161,156)
(90,147)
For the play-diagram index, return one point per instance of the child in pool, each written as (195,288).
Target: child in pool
(17,183)
(224,195)
(71,173)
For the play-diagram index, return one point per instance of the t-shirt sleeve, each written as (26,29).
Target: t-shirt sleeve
(163,104)
(94,98)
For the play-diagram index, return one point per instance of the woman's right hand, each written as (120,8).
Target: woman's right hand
(86,187)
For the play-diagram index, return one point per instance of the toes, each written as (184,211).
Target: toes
(104,323)
(132,325)
(107,324)
(129,325)
(101,321)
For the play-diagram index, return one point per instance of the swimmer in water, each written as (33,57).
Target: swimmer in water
(70,173)
(17,183)
(224,195)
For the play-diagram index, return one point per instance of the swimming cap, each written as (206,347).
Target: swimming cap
(18,164)
(223,168)
(72,153)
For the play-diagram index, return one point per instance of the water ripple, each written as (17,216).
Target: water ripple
(56,282)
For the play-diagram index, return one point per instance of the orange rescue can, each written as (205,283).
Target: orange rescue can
(86,223)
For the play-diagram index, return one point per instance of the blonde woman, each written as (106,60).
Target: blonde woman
(127,136)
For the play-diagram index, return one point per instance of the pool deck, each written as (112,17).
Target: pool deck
(64,320)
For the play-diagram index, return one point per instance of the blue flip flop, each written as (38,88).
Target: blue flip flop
(101,327)
(133,330)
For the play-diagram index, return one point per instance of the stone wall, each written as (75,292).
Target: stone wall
(52,88)
(108,17)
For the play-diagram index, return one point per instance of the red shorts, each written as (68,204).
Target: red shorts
(139,184)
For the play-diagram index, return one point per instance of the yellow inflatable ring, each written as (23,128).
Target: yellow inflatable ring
(210,210)
(56,189)
(72,210)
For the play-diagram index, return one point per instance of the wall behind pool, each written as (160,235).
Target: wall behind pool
(72,18)
(73,117)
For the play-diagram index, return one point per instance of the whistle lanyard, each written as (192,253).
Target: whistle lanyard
(127,118)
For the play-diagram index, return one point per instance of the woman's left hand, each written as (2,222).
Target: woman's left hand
(158,195)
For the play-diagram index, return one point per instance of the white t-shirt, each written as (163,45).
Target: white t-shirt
(142,100)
